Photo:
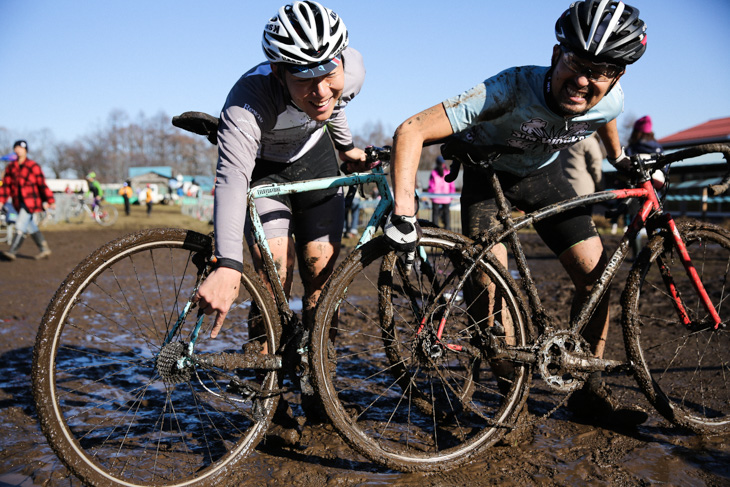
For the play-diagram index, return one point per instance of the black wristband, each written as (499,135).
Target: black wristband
(230,264)
(344,148)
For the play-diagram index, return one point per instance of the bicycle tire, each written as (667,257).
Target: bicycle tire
(106,215)
(683,371)
(104,406)
(76,213)
(393,404)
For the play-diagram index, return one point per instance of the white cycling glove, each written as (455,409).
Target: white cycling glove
(622,161)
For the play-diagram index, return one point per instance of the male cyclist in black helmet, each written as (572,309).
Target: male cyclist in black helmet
(279,123)
(521,118)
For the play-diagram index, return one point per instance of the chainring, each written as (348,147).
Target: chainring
(551,364)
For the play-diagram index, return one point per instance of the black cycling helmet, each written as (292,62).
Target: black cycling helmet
(603,30)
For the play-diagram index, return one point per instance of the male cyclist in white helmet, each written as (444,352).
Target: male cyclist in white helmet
(279,123)
(522,118)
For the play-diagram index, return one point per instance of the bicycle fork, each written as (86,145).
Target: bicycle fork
(694,279)
(651,203)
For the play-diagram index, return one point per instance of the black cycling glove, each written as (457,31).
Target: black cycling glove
(403,234)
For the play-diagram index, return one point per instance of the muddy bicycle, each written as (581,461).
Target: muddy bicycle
(130,389)
(433,376)
(104,215)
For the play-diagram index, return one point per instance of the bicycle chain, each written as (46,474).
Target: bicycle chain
(501,424)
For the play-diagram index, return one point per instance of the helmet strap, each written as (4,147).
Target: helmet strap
(280,75)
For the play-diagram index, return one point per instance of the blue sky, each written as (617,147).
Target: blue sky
(67,64)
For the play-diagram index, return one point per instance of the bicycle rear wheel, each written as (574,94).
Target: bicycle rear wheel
(106,215)
(684,370)
(111,402)
(394,391)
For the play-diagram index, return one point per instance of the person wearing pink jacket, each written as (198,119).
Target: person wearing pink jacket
(437,185)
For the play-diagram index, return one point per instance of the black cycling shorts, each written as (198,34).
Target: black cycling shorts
(314,216)
(544,187)
(319,162)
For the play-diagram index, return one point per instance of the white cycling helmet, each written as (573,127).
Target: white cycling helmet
(305,35)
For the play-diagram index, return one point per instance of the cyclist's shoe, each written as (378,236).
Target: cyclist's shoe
(284,429)
(311,403)
(312,406)
(594,404)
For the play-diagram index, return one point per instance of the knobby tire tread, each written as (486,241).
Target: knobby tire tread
(334,296)
(683,373)
(69,448)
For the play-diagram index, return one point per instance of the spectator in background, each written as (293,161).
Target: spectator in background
(352,213)
(126,192)
(25,183)
(94,189)
(148,199)
(582,165)
(440,205)
(642,140)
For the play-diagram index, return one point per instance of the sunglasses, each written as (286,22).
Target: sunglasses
(597,72)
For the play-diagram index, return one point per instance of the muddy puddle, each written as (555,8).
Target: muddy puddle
(554,450)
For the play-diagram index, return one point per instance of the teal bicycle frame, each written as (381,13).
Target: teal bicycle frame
(377,176)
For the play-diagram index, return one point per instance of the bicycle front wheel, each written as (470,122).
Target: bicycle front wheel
(398,391)
(111,399)
(106,215)
(684,369)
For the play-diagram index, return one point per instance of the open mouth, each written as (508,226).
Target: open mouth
(576,96)
(321,106)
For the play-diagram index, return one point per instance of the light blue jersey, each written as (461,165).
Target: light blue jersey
(509,114)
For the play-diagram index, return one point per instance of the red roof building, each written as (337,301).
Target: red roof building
(714,131)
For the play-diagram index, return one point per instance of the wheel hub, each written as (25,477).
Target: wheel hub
(169,363)
(427,349)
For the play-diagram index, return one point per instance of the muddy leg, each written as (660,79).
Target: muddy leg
(585,262)
(283,252)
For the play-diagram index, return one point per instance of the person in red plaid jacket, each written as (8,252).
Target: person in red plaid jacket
(25,183)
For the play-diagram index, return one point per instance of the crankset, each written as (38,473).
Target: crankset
(560,357)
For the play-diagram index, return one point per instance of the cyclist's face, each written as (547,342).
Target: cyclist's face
(317,97)
(572,89)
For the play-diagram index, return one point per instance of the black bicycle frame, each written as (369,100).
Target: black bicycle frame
(651,215)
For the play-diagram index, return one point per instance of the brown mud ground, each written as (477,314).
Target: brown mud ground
(551,451)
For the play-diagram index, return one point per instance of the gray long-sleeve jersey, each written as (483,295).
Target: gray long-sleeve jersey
(259,120)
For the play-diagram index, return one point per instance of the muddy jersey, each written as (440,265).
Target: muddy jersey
(259,123)
(509,114)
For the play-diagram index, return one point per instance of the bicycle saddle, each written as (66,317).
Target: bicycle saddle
(198,123)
